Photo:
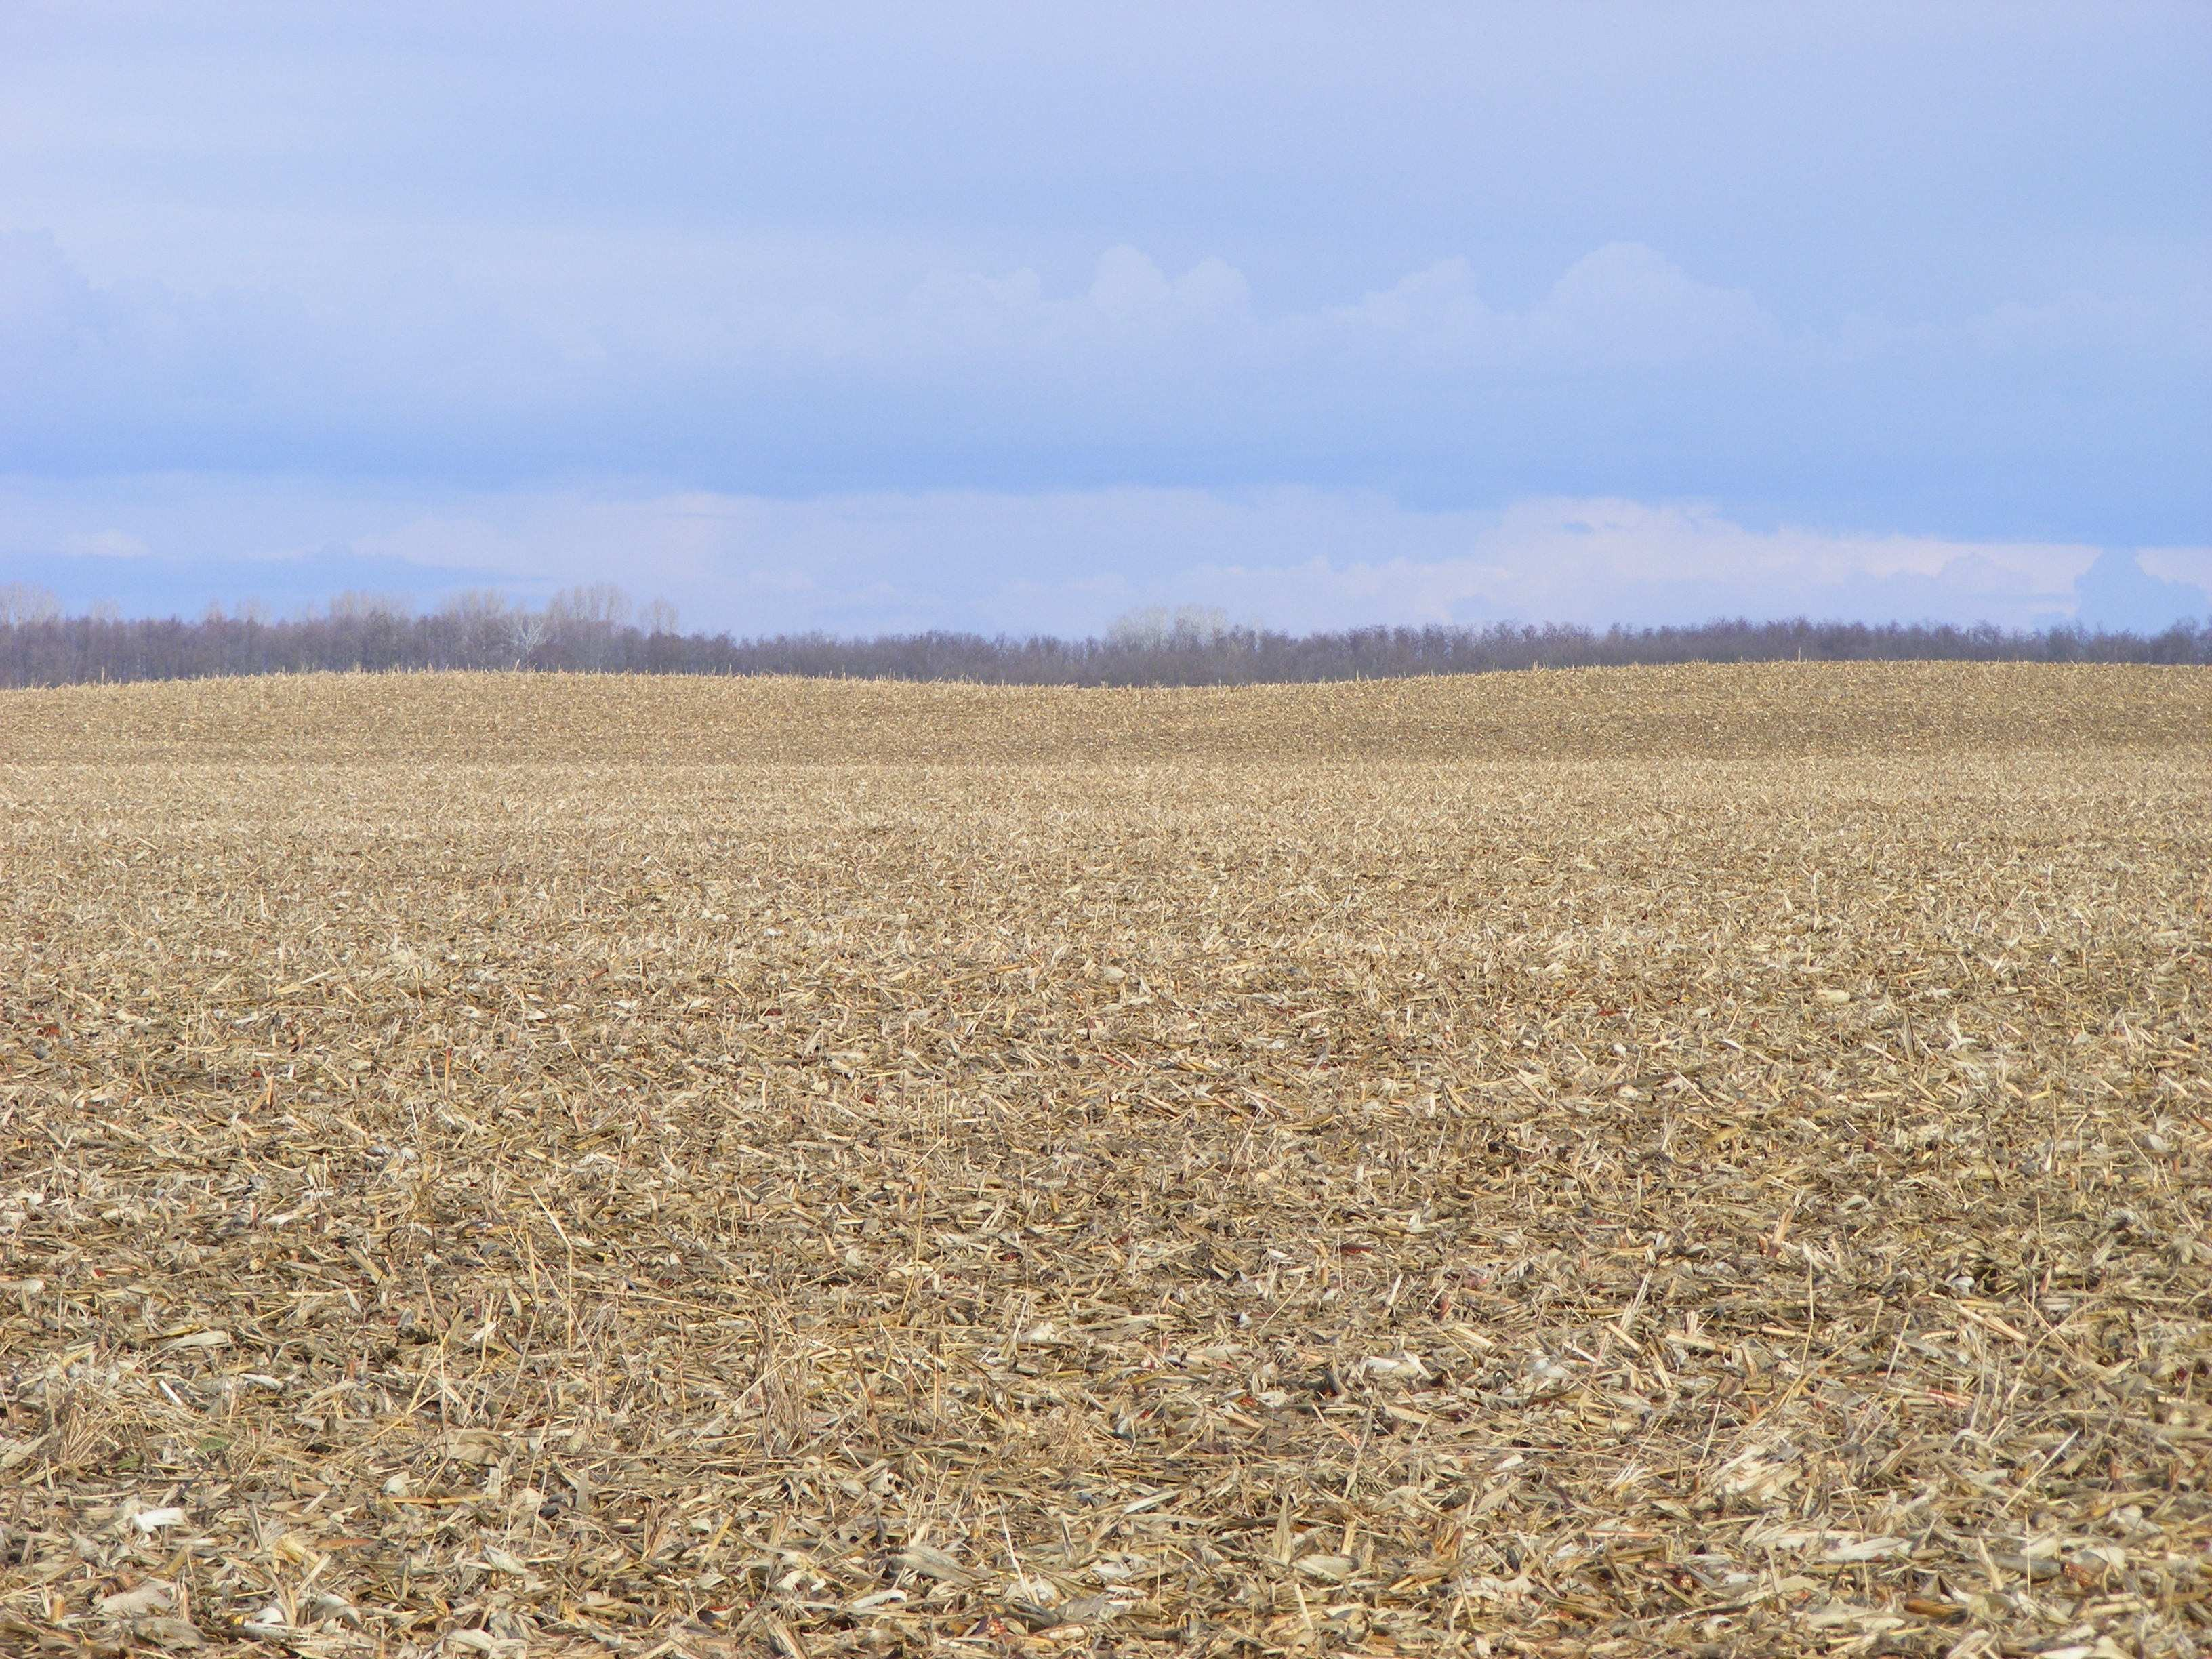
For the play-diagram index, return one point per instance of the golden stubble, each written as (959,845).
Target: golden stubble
(1624,1161)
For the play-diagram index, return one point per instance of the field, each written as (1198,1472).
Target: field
(1621,1161)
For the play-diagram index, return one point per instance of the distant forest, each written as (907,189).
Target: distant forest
(595,630)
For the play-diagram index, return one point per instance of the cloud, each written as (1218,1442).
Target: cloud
(49,309)
(1884,265)
(1627,303)
(1130,304)
(749,371)
(2116,592)
(2079,324)
(1622,306)
(104,544)
(1068,560)
(1599,562)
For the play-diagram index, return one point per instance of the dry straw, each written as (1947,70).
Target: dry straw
(1614,1163)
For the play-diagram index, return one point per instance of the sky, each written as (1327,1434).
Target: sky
(1016,317)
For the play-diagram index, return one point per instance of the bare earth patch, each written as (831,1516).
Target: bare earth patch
(1623,1162)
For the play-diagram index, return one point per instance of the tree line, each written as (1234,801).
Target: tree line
(595,630)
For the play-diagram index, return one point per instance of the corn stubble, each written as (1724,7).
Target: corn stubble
(1622,1162)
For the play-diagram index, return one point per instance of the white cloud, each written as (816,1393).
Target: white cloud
(1129,302)
(464,336)
(862,246)
(1622,306)
(1602,560)
(1627,304)
(104,544)
(2118,591)
(1129,284)
(1296,558)
(2098,324)
(1129,288)
(1439,301)
(775,364)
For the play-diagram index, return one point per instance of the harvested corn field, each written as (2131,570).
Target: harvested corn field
(1623,1162)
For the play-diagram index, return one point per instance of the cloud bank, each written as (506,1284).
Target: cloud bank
(467,287)
(1624,374)
(1065,561)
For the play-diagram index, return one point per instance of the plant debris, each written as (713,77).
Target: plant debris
(1616,1163)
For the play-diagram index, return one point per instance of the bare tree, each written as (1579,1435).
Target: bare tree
(480,629)
(584,620)
(594,603)
(354,604)
(529,630)
(485,626)
(24,602)
(1157,628)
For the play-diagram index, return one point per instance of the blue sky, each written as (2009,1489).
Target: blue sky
(1016,316)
